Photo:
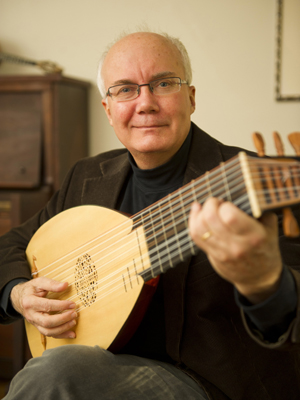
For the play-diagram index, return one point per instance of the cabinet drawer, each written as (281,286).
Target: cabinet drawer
(20,140)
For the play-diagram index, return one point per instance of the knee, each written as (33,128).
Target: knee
(77,357)
(68,357)
(63,360)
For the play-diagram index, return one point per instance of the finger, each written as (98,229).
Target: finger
(211,218)
(41,304)
(43,284)
(56,327)
(48,321)
(195,222)
(235,220)
(65,335)
(205,223)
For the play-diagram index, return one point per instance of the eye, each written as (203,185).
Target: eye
(125,89)
(164,83)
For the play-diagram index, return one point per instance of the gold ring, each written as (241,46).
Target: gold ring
(206,235)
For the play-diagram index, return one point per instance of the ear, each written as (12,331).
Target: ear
(192,93)
(107,110)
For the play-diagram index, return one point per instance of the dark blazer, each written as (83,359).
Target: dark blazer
(206,333)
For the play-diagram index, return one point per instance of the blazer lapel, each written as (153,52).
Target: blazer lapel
(105,189)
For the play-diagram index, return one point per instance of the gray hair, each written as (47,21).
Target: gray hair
(175,41)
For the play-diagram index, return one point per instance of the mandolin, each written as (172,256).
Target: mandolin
(112,262)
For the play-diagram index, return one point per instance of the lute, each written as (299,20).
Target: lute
(111,261)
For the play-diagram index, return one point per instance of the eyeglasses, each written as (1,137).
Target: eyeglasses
(131,91)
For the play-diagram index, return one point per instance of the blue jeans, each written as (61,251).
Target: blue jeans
(82,372)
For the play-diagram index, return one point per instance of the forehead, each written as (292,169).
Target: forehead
(141,56)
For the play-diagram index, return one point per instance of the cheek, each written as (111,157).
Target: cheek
(120,115)
(179,112)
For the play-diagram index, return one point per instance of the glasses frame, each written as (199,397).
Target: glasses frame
(138,91)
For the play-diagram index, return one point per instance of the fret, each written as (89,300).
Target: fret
(191,246)
(208,184)
(216,183)
(275,176)
(163,228)
(172,228)
(193,190)
(154,247)
(227,190)
(153,237)
(176,234)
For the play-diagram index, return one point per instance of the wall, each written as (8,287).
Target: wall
(231,44)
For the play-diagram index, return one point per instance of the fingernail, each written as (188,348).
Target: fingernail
(73,305)
(72,335)
(74,315)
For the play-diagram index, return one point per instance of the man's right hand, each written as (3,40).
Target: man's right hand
(51,317)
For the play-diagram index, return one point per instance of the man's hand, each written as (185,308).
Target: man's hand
(242,250)
(51,317)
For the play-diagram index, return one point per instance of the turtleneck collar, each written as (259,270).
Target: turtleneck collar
(166,176)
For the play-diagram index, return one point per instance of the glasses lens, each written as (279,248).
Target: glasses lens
(165,86)
(124,92)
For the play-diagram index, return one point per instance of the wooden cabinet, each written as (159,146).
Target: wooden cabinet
(43,129)
(43,132)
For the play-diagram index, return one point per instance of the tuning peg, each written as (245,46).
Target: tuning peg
(294,139)
(259,143)
(290,225)
(278,144)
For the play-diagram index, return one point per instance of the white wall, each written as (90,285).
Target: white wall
(231,44)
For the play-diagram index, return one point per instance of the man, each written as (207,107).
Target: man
(193,342)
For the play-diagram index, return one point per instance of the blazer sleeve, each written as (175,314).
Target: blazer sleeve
(13,244)
(290,252)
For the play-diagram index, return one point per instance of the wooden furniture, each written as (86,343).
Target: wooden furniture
(43,132)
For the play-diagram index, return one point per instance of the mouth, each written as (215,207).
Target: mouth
(145,127)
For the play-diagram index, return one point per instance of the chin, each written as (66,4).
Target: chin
(151,148)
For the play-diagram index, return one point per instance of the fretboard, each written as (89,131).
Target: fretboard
(252,184)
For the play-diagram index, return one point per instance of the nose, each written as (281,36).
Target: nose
(146,101)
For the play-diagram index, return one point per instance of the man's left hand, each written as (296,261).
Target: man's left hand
(241,249)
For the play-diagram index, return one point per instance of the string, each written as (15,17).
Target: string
(148,209)
(120,285)
(167,221)
(159,211)
(167,202)
(160,256)
(150,254)
(170,249)
(146,229)
(96,261)
(112,289)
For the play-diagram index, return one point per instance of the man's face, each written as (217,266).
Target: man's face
(151,127)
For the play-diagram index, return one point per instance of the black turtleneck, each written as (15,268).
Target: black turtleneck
(146,186)
(143,188)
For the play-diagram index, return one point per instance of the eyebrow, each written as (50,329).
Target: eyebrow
(154,77)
